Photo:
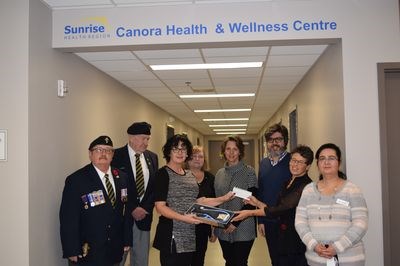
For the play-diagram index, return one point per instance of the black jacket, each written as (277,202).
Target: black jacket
(121,161)
(105,229)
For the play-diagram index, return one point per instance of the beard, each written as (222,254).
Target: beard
(276,152)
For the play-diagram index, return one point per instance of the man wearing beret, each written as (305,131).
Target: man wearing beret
(95,231)
(140,165)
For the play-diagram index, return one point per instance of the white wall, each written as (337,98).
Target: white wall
(14,118)
(320,105)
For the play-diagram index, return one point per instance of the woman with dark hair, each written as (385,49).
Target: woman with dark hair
(332,215)
(237,239)
(290,247)
(175,191)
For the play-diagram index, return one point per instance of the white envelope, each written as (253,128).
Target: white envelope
(241,193)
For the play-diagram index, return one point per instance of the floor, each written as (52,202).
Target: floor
(258,256)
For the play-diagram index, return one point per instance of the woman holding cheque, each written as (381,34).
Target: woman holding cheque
(291,249)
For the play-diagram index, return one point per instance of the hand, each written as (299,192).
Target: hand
(73,258)
(139,213)
(230,229)
(325,251)
(241,215)
(261,229)
(212,238)
(228,196)
(127,248)
(255,202)
(191,219)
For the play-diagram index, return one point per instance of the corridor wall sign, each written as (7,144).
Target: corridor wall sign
(200,23)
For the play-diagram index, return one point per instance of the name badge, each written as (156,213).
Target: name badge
(342,202)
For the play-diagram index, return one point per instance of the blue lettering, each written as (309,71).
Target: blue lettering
(122,32)
(256,27)
(299,25)
(84,29)
(188,30)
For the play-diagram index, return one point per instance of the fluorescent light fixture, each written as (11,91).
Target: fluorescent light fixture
(229,125)
(206,66)
(225,119)
(229,129)
(221,95)
(230,133)
(222,110)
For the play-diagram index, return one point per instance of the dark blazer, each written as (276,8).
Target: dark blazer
(121,161)
(105,229)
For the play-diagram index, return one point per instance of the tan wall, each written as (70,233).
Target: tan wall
(14,246)
(60,129)
(319,101)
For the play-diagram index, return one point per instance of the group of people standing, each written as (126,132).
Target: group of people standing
(107,205)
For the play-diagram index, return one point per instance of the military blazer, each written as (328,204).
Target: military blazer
(87,219)
(122,161)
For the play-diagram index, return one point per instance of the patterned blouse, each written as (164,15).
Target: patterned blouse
(244,177)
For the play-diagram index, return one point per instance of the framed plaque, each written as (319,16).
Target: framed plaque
(211,215)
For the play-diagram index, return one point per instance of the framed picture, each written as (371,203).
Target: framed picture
(170,131)
(3,145)
(293,129)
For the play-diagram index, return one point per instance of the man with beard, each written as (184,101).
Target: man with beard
(273,174)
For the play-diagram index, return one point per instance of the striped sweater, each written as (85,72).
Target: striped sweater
(340,219)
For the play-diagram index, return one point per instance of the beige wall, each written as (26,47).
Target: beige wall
(319,101)
(60,130)
(14,118)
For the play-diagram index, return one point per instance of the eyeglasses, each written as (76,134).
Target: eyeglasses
(100,150)
(294,161)
(275,140)
(328,159)
(179,150)
(197,156)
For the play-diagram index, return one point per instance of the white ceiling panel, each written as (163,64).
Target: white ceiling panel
(283,67)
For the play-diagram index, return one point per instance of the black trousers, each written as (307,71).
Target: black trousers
(236,253)
(172,258)
(201,248)
(272,237)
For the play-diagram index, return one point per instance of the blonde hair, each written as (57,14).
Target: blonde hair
(198,149)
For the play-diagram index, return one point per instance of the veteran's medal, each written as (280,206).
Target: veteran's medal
(85,249)
(124,195)
(85,201)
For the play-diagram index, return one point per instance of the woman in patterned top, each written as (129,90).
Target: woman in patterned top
(332,215)
(175,191)
(237,239)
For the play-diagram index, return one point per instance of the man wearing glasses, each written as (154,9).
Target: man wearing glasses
(94,228)
(273,173)
(140,165)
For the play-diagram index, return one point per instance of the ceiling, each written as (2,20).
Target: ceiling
(283,68)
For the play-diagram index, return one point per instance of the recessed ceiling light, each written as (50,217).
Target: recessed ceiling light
(225,119)
(229,125)
(221,95)
(229,129)
(222,110)
(206,66)
(230,133)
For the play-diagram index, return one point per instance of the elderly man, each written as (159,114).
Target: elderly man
(94,228)
(140,165)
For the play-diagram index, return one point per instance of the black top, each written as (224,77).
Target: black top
(206,189)
(285,210)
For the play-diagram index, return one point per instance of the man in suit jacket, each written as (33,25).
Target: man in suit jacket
(141,206)
(94,228)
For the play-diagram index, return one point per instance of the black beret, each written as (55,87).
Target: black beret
(139,128)
(102,140)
